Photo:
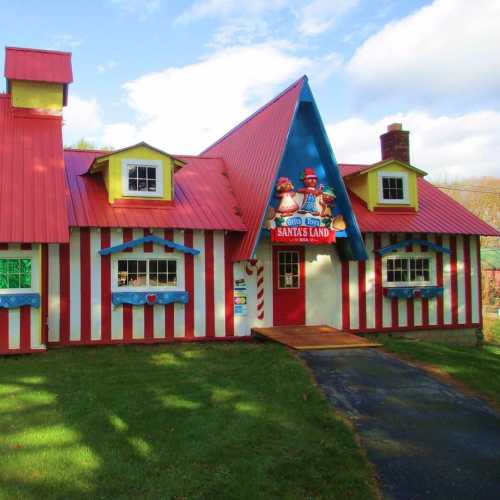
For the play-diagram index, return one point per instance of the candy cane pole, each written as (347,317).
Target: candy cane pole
(259,267)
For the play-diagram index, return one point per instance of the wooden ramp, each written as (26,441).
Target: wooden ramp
(310,338)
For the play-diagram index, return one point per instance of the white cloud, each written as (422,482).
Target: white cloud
(318,16)
(107,66)
(64,41)
(450,48)
(184,109)
(225,8)
(142,8)
(444,146)
(82,120)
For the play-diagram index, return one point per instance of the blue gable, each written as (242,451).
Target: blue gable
(308,146)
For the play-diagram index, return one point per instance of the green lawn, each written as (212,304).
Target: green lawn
(479,369)
(177,421)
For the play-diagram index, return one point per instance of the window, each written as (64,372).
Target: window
(408,270)
(289,276)
(142,178)
(147,273)
(15,274)
(393,187)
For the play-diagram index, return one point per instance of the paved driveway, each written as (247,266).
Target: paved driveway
(426,438)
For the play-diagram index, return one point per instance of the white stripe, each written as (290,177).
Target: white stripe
(138,311)
(353,295)
(179,311)
(219,288)
(95,284)
(386,303)
(54,294)
(417,304)
(116,312)
(199,285)
(474,282)
(14,328)
(446,282)
(159,322)
(370,282)
(75,285)
(432,302)
(36,329)
(460,279)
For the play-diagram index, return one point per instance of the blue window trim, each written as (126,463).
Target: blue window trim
(13,300)
(141,298)
(402,244)
(410,292)
(149,239)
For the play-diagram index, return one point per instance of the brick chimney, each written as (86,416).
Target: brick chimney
(395,143)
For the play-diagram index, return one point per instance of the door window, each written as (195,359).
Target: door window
(289,275)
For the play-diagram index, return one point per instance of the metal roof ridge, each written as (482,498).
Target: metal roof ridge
(45,51)
(300,81)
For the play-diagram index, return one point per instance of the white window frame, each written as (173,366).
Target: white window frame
(409,255)
(281,252)
(397,175)
(146,256)
(157,164)
(22,254)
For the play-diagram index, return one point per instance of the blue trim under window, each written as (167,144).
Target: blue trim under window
(412,292)
(402,244)
(13,300)
(149,239)
(150,297)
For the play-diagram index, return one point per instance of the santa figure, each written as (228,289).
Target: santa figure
(312,194)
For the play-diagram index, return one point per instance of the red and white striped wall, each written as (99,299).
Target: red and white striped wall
(21,328)
(80,286)
(349,295)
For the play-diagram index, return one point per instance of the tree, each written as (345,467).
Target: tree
(85,144)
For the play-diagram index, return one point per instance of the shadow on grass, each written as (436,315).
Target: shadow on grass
(178,421)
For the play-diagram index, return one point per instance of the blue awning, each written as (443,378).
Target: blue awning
(149,239)
(402,244)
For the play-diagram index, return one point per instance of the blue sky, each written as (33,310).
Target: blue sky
(180,73)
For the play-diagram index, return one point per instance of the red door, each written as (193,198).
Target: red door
(289,287)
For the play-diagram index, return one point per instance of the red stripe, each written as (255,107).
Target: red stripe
(454,280)
(228,283)
(479,279)
(439,278)
(378,283)
(346,314)
(45,294)
(149,312)
(148,247)
(128,234)
(4,330)
(85,291)
(425,302)
(26,246)
(169,235)
(189,284)
(169,321)
(410,306)
(127,308)
(209,284)
(25,328)
(64,276)
(105,287)
(467,274)
(362,293)
(394,302)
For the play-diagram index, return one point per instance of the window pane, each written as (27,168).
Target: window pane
(142,264)
(132,185)
(4,265)
(132,266)
(13,280)
(122,265)
(153,266)
(25,280)
(14,266)
(151,173)
(132,172)
(26,265)
(172,266)
(162,266)
(141,172)
(141,185)
(162,279)
(152,186)
(4,282)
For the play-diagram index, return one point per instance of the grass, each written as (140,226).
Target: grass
(492,330)
(178,421)
(478,369)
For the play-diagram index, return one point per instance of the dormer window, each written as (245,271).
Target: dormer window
(142,178)
(393,187)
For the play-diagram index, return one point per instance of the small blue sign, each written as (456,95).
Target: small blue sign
(294,221)
(312,222)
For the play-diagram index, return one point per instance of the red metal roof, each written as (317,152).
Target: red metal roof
(38,65)
(252,153)
(32,191)
(203,198)
(438,213)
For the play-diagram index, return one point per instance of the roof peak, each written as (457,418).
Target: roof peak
(44,51)
(303,79)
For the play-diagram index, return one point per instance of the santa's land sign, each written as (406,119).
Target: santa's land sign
(305,215)
(309,231)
